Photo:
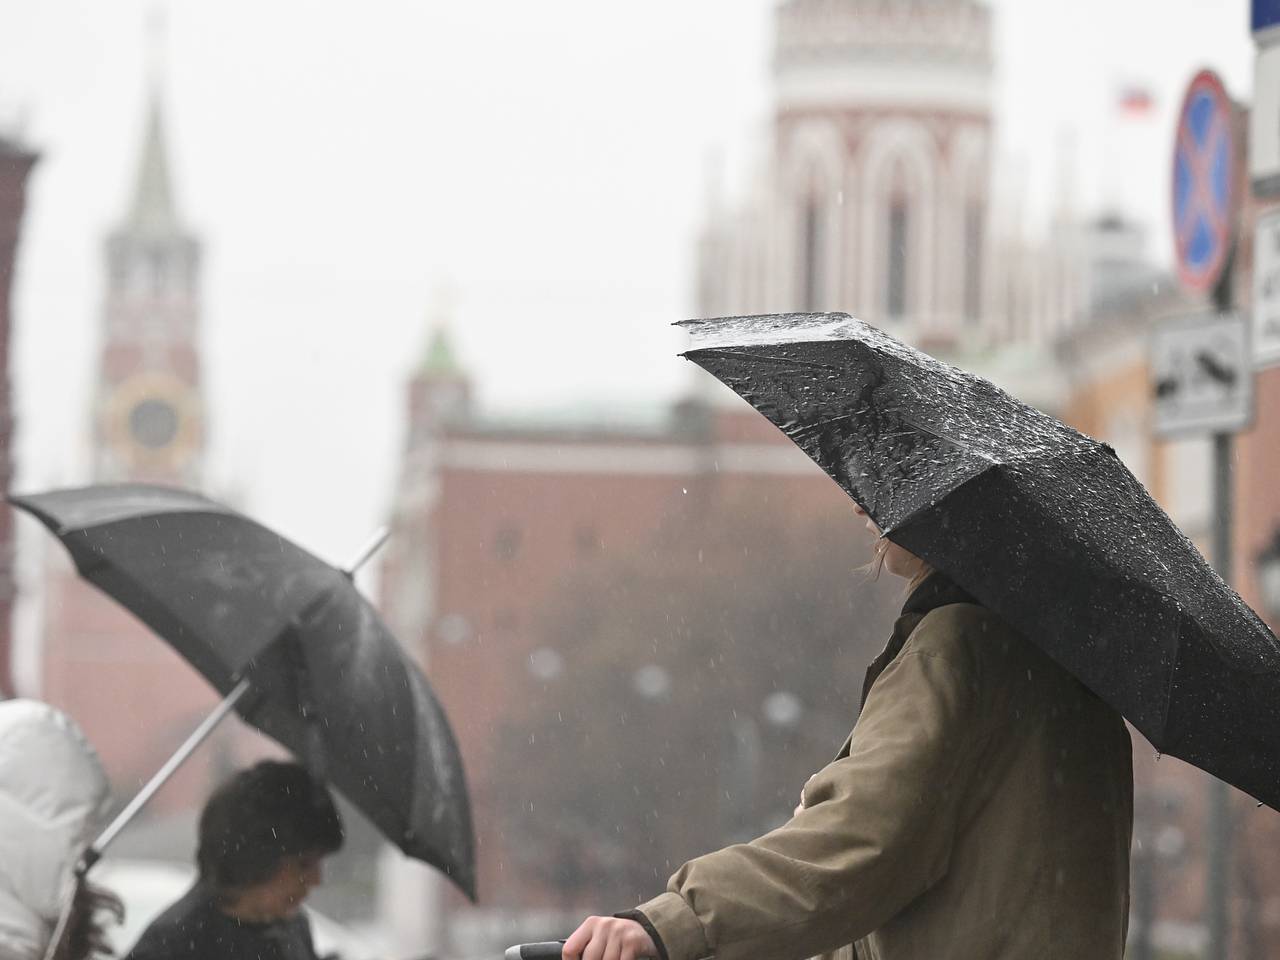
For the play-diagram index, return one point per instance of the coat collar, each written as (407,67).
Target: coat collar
(935,590)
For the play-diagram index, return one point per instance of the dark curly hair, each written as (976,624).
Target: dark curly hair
(260,816)
(85,936)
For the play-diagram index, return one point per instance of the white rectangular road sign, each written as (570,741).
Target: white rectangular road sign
(1264,123)
(1202,375)
(1266,291)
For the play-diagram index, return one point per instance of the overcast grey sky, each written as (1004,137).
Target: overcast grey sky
(549,160)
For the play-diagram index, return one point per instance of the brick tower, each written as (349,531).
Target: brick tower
(876,200)
(133,696)
(16,162)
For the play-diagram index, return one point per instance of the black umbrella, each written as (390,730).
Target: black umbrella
(292,644)
(1040,523)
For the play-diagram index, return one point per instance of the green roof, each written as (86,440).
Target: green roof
(440,359)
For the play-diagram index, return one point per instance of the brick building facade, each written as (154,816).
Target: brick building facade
(16,163)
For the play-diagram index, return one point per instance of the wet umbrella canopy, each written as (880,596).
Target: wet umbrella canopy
(1041,524)
(326,677)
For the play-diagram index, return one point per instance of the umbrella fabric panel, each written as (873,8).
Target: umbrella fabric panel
(1229,727)
(399,763)
(202,594)
(829,399)
(65,510)
(1106,625)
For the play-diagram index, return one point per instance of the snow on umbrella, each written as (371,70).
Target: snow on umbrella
(322,674)
(1040,523)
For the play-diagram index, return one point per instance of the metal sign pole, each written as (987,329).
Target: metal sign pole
(1219,796)
(1206,212)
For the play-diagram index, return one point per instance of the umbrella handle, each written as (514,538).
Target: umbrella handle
(546,950)
(198,736)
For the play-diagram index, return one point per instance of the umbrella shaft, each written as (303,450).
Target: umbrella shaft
(368,550)
(197,737)
(1219,827)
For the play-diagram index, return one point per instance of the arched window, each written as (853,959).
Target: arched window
(966,278)
(898,163)
(812,251)
(897,247)
(974,238)
(895,299)
(813,237)
(812,172)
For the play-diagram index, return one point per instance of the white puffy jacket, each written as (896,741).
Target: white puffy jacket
(52,795)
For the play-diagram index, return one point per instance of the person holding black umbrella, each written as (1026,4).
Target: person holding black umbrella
(262,838)
(983,805)
(292,646)
(981,808)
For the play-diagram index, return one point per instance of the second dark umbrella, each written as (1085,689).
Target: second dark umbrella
(310,662)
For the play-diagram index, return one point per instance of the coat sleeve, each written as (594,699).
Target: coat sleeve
(876,831)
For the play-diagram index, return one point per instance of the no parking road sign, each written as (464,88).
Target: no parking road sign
(1204,189)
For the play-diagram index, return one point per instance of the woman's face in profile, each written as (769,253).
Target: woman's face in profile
(897,560)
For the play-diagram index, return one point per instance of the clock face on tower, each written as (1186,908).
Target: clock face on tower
(152,423)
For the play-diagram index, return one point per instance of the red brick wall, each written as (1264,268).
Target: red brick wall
(135,698)
(507,540)
(15,166)
(501,589)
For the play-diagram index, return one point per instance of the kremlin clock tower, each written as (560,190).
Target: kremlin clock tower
(134,697)
(148,422)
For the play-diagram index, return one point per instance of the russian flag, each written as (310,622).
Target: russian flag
(1135,101)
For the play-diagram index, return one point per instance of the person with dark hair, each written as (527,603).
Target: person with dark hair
(53,795)
(263,836)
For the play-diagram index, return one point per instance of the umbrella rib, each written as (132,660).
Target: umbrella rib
(925,508)
(812,427)
(761,358)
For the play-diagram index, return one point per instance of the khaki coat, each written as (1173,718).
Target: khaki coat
(981,810)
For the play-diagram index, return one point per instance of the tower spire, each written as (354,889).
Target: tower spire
(149,415)
(153,210)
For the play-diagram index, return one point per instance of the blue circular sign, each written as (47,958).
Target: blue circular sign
(1204,173)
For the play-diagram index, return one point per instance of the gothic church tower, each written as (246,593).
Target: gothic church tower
(148,422)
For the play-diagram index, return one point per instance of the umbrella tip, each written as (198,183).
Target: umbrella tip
(375,542)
